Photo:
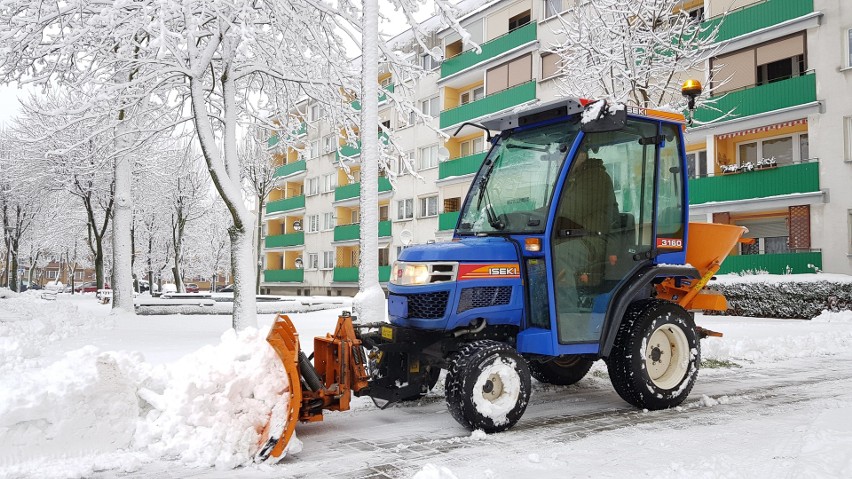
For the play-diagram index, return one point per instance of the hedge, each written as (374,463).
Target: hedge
(787,300)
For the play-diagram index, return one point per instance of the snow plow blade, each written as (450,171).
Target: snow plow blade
(338,369)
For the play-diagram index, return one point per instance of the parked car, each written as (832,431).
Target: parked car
(169,288)
(226,289)
(191,287)
(89,287)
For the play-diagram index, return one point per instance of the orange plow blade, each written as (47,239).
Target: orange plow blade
(279,430)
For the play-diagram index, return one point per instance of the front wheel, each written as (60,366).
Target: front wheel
(654,361)
(487,386)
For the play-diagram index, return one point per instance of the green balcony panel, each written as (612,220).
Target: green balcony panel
(758,16)
(353,190)
(356,105)
(762,99)
(272,141)
(302,129)
(350,275)
(277,206)
(283,241)
(345,275)
(353,151)
(447,221)
(290,169)
(461,166)
(284,275)
(490,49)
(772,263)
(782,180)
(353,232)
(492,103)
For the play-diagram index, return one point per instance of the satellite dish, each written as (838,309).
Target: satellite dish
(299,264)
(297,225)
(405,237)
(443,154)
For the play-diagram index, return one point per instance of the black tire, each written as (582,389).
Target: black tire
(562,370)
(477,381)
(648,378)
(431,380)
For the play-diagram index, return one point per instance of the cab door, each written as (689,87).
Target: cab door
(603,225)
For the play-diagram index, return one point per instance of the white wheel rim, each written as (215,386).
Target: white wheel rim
(667,356)
(493,388)
(497,390)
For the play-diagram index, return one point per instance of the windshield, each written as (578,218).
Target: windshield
(512,191)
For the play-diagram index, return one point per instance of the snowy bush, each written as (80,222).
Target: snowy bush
(790,299)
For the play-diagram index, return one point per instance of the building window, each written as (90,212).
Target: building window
(313,223)
(430,107)
(329,182)
(428,157)
(405,163)
(383,212)
(509,74)
(696,164)
(849,238)
(314,113)
(785,150)
(52,274)
(452,205)
(849,48)
(312,186)
(384,257)
(329,143)
(313,261)
(550,63)
(428,63)
(783,69)
(428,206)
(472,95)
(327,259)
(696,14)
(327,221)
(552,7)
(314,150)
(405,209)
(519,20)
(847,129)
(471,147)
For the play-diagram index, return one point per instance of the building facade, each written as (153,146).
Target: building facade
(779,163)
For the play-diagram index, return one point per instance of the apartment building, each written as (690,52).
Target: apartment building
(787,105)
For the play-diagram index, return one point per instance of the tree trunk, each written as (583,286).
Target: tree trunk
(369,303)
(99,262)
(259,243)
(242,261)
(122,224)
(13,269)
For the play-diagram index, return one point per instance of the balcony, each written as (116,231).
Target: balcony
(290,169)
(773,263)
(448,221)
(356,105)
(283,275)
(353,151)
(350,275)
(353,190)
(490,104)
(302,129)
(758,16)
(762,99)
(284,241)
(461,166)
(353,232)
(783,180)
(278,206)
(490,49)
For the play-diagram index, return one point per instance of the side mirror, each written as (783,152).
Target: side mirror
(599,117)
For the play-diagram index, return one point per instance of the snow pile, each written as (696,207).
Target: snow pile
(778,348)
(431,471)
(834,317)
(7,293)
(211,405)
(29,326)
(498,409)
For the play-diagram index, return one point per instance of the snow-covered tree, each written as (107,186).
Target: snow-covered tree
(258,166)
(632,51)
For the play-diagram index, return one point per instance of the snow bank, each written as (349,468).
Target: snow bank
(777,348)
(834,317)
(30,325)
(206,409)
(431,471)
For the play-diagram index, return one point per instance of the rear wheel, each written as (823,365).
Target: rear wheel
(487,386)
(563,370)
(654,361)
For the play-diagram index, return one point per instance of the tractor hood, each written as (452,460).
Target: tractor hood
(468,249)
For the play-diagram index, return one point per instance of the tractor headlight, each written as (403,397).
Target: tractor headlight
(406,274)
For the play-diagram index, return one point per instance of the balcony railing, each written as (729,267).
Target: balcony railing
(290,169)
(490,49)
(353,232)
(278,206)
(356,105)
(781,263)
(447,221)
(758,16)
(353,151)
(284,275)
(285,240)
(782,180)
(350,275)
(353,190)
(461,166)
(492,103)
(762,99)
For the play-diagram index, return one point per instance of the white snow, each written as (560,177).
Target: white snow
(499,408)
(782,278)
(177,396)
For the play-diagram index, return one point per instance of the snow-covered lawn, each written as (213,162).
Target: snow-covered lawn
(84,393)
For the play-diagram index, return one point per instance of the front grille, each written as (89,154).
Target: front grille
(483,297)
(428,305)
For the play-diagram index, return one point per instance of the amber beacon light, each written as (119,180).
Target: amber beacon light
(691,89)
